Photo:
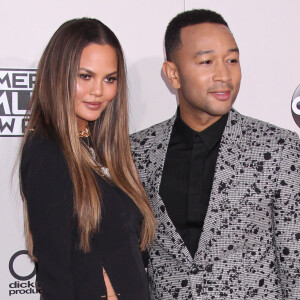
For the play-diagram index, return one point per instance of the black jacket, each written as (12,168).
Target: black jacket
(64,271)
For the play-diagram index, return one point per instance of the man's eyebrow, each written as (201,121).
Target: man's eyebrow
(234,50)
(202,52)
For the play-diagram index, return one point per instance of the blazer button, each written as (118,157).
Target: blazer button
(194,270)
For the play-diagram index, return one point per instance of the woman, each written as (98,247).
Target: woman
(86,213)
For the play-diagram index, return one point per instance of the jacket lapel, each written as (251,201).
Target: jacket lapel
(227,166)
(220,204)
(176,246)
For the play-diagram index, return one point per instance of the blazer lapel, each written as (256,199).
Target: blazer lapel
(155,169)
(227,166)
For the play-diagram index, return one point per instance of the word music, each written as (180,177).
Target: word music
(16,87)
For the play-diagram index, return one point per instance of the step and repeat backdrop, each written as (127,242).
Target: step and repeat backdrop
(267,33)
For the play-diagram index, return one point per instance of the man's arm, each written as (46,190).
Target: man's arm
(287,217)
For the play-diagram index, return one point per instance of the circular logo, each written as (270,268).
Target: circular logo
(296,106)
(12,267)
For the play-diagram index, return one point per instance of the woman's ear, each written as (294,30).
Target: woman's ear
(170,71)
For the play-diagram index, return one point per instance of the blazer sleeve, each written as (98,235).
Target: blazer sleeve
(47,188)
(287,217)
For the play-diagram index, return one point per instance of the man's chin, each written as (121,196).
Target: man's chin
(219,112)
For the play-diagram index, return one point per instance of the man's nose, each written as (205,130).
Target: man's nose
(222,72)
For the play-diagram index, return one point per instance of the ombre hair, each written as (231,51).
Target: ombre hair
(52,109)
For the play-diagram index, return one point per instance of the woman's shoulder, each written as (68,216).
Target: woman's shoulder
(40,150)
(38,145)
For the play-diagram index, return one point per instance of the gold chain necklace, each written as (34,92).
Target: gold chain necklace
(84,133)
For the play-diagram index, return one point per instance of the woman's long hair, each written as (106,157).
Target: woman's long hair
(52,110)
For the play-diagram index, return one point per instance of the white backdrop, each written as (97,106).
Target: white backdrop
(267,34)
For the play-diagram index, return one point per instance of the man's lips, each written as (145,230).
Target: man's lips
(93,105)
(221,95)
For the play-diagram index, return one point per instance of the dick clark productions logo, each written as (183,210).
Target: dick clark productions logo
(23,283)
(16,86)
(296,106)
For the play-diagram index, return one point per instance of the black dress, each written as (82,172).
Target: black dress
(64,271)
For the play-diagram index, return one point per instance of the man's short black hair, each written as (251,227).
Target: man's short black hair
(187,18)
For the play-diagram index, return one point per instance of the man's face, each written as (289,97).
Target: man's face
(208,70)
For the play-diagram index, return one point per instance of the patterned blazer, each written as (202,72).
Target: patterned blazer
(250,244)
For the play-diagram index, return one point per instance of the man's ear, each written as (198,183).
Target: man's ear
(170,71)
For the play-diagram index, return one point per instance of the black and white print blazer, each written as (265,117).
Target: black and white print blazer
(250,244)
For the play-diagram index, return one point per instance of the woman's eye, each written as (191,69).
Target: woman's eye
(85,76)
(110,79)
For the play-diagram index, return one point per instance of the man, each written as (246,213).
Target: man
(225,188)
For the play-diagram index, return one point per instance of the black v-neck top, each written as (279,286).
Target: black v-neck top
(64,271)
(188,176)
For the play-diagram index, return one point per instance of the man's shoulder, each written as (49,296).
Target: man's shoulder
(259,129)
(152,133)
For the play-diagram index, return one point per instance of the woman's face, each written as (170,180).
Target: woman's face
(96,83)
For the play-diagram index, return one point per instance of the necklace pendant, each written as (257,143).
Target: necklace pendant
(105,172)
(93,153)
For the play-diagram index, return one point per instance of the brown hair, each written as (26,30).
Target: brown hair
(52,111)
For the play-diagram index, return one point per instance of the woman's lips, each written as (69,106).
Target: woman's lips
(93,105)
(222,96)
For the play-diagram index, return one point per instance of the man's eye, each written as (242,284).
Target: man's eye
(205,62)
(110,79)
(233,61)
(84,76)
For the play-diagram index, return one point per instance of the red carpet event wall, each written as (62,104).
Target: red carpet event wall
(267,33)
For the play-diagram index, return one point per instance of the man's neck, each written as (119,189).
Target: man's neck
(198,121)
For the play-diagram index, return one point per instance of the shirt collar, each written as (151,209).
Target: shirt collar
(210,135)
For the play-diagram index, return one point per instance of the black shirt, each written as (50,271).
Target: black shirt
(188,176)
(64,271)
